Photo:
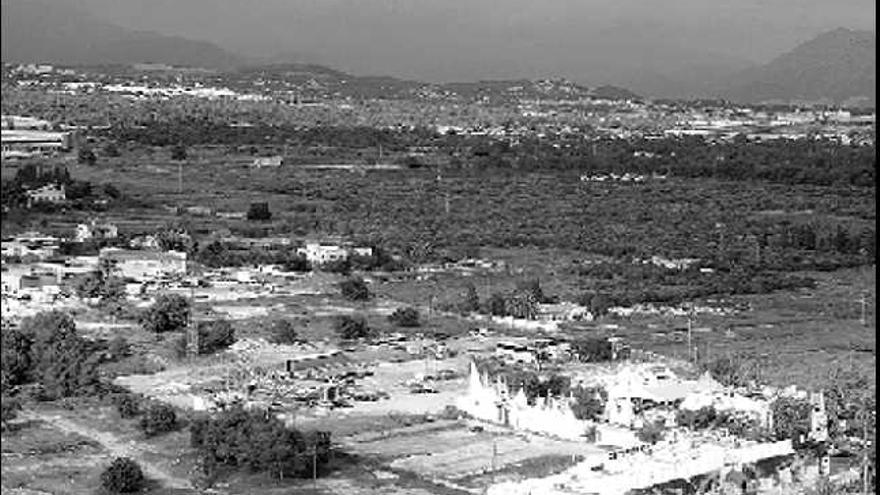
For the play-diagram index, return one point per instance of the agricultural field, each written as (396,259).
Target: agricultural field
(549,227)
(405,210)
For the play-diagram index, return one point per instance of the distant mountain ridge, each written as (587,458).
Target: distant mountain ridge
(837,65)
(52,32)
(332,81)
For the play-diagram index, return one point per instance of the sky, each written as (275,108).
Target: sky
(446,40)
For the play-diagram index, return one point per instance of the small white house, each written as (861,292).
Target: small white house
(145,265)
(95,230)
(50,193)
(268,161)
(319,253)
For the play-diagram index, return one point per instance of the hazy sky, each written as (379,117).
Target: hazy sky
(457,39)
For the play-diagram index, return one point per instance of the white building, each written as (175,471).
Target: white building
(320,253)
(490,399)
(50,193)
(145,265)
(818,418)
(18,122)
(30,244)
(20,249)
(95,230)
(26,142)
(268,161)
(564,311)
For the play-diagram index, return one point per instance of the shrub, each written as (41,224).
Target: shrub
(122,476)
(283,332)
(158,419)
(593,350)
(169,313)
(350,328)
(405,317)
(128,405)
(178,153)
(9,408)
(705,417)
(179,346)
(729,371)
(471,301)
(251,440)
(354,289)
(86,156)
(64,363)
(791,417)
(651,432)
(111,150)
(259,212)
(496,305)
(341,266)
(15,357)
(589,403)
(119,348)
(215,336)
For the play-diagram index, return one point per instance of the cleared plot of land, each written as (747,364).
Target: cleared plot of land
(797,337)
(115,444)
(449,451)
(40,458)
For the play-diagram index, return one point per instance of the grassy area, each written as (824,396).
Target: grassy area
(536,467)
(797,337)
(38,457)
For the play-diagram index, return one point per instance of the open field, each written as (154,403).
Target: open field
(45,459)
(541,226)
(798,337)
(676,217)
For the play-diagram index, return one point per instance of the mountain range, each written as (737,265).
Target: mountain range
(835,66)
(51,32)
(838,65)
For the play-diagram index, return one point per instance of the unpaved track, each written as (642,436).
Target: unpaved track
(115,446)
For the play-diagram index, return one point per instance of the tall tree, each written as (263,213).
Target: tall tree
(471,301)
(169,313)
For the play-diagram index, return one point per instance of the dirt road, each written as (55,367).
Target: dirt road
(114,445)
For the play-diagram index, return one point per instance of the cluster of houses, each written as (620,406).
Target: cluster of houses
(26,137)
(636,394)
(627,177)
(33,268)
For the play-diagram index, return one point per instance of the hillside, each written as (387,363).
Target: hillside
(42,31)
(322,80)
(837,65)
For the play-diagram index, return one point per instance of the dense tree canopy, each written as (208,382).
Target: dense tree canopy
(123,475)
(354,289)
(352,327)
(215,335)
(63,363)
(169,313)
(259,443)
(405,317)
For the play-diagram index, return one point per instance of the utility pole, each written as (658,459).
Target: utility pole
(864,301)
(690,346)
(865,454)
(494,456)
(445,191)
(757,251)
